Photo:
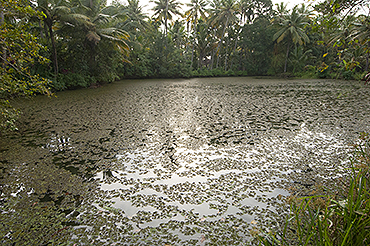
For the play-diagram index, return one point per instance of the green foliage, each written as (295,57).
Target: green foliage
(73,81)
(217,72)
(256,54)
(164,10)
(160,59)
(19,51)
(300,58)
(332,220)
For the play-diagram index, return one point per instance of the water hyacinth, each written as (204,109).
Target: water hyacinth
(176,162)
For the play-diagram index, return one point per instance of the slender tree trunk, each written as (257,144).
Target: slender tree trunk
(41,30)
(200,62)
(165,19)
(236,43)
(92,59)
(367,56)
(213,53)
(218,48)
(4,48)
(194,32)
(286,58)
(54,56)
(226,55)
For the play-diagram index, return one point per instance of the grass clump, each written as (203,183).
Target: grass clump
(331,219)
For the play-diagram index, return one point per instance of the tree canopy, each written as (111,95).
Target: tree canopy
(49,45)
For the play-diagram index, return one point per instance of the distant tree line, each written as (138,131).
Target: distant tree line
(51,45)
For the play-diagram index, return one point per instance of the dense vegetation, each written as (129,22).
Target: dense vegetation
(66,44)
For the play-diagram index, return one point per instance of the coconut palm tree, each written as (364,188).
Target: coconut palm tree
(59,14)
(361,32)
(281,9)
(177,33)
(292,30)
(104,27)
(164,10)
(53,11)
(299,58)
(197,9)
(341,36)
(136,19)
(223,13)
(205,43)
(249,10)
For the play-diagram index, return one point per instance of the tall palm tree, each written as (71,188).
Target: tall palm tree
(53,11)
(361,32)
(164,10)
(136,19)
(177,33)
(292,30)
(223,13)
(281,9)
(58,14)
(98,23)
(197,9)
(205,43)
(249,10)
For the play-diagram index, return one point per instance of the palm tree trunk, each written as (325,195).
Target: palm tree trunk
(92,59)
(4,49)
(286,58)
(165,19)
(41,30)
(212,59)
(54,56)
(200,62)
(367,56)
(218,48)
(236,43)
(194,32)
(213,53)
(226,55)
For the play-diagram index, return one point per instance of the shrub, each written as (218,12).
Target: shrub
(72,81)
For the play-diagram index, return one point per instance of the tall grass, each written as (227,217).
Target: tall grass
(331,220)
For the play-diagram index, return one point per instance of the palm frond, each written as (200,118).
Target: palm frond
(93,37)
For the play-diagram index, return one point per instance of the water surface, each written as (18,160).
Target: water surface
(181,162)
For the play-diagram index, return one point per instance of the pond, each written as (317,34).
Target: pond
(174,162)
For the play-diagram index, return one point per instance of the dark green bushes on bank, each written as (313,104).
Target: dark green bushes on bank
(73,81)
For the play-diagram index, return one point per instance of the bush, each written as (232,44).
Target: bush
(347,75)
(72,81)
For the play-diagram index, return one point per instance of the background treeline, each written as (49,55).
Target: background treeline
(88,42)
